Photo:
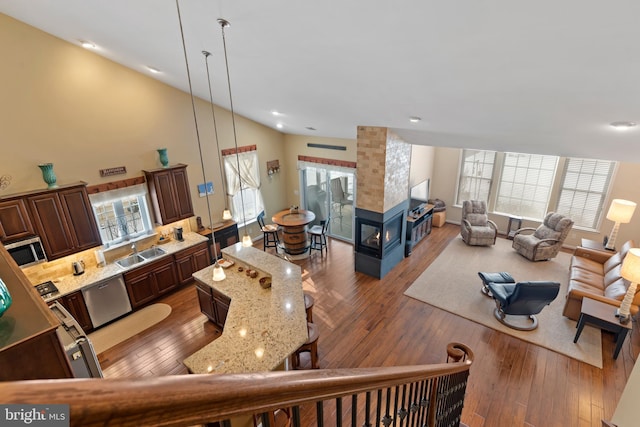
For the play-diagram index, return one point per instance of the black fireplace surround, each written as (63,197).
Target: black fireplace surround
(379,239)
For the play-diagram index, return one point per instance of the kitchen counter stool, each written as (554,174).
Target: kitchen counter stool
(310,346)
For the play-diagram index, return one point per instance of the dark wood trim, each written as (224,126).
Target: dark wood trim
(114,185)
(243,149)
(192,399)
(332,162)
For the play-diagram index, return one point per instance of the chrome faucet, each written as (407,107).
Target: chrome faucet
(135,249)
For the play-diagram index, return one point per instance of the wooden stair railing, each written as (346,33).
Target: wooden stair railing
(430,395)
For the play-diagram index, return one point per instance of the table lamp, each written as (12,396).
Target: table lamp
(620,212)
(631,272)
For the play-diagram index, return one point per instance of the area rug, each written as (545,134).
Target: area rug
(451,283)
(125,328)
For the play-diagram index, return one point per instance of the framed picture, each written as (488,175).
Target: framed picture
(201,189)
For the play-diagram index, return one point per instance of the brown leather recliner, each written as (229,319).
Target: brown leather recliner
(596,275)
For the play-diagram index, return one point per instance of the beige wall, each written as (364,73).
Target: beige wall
(68,106)
(422,159)
(296,145)
(624,186)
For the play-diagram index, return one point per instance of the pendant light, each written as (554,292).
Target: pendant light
(246,239)
(226,214)
(218,272)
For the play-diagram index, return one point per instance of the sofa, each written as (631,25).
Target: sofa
(596,275)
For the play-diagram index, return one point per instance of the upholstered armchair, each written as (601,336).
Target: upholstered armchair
(476,228)
(544,242)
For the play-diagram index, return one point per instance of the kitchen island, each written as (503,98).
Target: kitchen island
(263,326)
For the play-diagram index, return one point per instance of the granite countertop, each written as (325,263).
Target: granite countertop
(263,326)
(70,283)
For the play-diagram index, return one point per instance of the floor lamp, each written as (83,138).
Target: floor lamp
(620,212)
(631,272)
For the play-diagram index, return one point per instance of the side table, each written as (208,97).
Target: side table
(592,244)
(603,316)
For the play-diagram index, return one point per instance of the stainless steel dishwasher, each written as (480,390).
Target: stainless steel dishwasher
(107,300)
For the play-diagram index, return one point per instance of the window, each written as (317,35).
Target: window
(583,191)
(121,214)
(476,170)
(244,194)
(525,184)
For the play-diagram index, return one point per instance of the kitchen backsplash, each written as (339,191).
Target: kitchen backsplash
(62,267)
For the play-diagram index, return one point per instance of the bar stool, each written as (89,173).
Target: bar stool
(269,233)
(308,306)
(318,235)
(310,346)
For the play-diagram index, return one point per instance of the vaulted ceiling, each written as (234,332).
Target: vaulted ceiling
(541,77)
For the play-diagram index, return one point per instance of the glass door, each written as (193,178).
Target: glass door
(329,192)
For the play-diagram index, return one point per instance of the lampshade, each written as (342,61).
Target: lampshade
(218,273)
(621,211)
(631,266)
(226,214)
(246,241)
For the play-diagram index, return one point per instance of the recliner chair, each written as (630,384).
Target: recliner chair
(476,228)
(522,299)
(546,240)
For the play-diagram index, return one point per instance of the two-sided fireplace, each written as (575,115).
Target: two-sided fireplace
(379,239)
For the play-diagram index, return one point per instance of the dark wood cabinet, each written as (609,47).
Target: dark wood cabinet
(213,304)
(224,233)
(170,193)
(146,283)
(30,348)
(76,306)
(191,260)
(205,299)
(64,221)
(15,222)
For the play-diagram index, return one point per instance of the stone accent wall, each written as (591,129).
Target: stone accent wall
(383,169)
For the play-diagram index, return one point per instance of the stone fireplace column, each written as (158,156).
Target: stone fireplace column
(383,161)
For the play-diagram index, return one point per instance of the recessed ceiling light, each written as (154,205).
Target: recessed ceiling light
(414,119)
(153,70)
(276,113)
(622,125)
(279,125)
(87,45)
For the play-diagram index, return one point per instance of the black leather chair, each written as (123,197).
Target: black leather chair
(522,299)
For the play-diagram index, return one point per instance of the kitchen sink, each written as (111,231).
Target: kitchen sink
(152,252)
(130,260)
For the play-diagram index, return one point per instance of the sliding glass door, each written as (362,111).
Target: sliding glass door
(329,191)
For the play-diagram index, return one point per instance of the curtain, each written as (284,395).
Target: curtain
(246,179)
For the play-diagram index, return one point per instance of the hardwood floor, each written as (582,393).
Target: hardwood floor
(365,322)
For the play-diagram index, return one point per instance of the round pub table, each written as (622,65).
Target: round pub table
(294,229)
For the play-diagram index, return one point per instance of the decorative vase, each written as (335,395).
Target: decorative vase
(164,159)
(48,175)
(5,298)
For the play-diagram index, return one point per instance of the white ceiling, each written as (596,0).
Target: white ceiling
(541,76)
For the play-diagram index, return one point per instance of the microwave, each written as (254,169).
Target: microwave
(27,252)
